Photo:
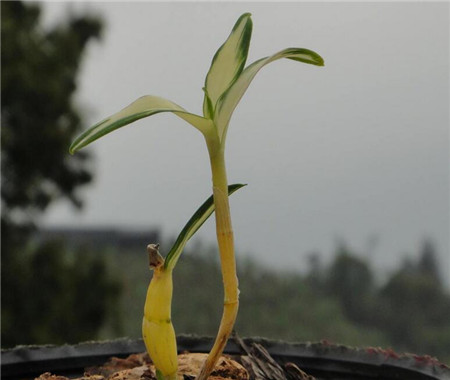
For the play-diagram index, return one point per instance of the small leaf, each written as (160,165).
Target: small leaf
(229,61)
(230,99)
(191,227)
(142,107)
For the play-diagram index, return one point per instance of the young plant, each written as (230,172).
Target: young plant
(225,84)
(157,329)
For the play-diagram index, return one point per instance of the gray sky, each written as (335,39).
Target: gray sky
(357,150)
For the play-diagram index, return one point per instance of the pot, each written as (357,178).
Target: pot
(322,360)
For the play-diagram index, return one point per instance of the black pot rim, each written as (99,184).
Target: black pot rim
(320,359)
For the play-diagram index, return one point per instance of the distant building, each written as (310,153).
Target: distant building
(100,237)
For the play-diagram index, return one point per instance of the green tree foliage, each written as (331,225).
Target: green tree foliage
(411,310)
(46,298)
(58,298)
(350,279)
(39,119)
(428,264)
(415,307)
(282,305)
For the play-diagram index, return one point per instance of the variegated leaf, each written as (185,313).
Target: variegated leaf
(191,227)
(228,63)
(229,100)
(142,107)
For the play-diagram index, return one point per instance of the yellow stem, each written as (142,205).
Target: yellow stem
(157,328)
(227,258)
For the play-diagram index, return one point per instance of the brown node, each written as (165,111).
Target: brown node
(155,260)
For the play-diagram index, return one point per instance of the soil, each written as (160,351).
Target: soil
(255,364)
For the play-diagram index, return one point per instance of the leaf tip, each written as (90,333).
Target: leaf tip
(320,61)
(244,20)
(248,20)
(243,16)
(72,149)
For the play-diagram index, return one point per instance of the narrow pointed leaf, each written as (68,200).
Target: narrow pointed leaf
(191,227)
(142,107)
(229,100)
(228,62)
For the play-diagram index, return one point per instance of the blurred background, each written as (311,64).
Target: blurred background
(342,232)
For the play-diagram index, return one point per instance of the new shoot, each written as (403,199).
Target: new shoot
(226,82)
(157,328)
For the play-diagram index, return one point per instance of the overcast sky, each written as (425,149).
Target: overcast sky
(356,151)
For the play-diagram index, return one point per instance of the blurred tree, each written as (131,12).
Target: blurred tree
(39,119)
(45,298)
(284,305)
(64,297)
(415,307)
(315,276)
(428,262)
(350,279)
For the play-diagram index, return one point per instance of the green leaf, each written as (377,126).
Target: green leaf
(142,107)
(191,227)
(230,99)
(228,62)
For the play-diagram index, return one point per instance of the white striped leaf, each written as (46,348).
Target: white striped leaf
(191,227)
(229,100)
(142,107)
(227,63)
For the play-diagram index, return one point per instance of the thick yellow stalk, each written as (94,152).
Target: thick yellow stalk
(228,263)
(157,328)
